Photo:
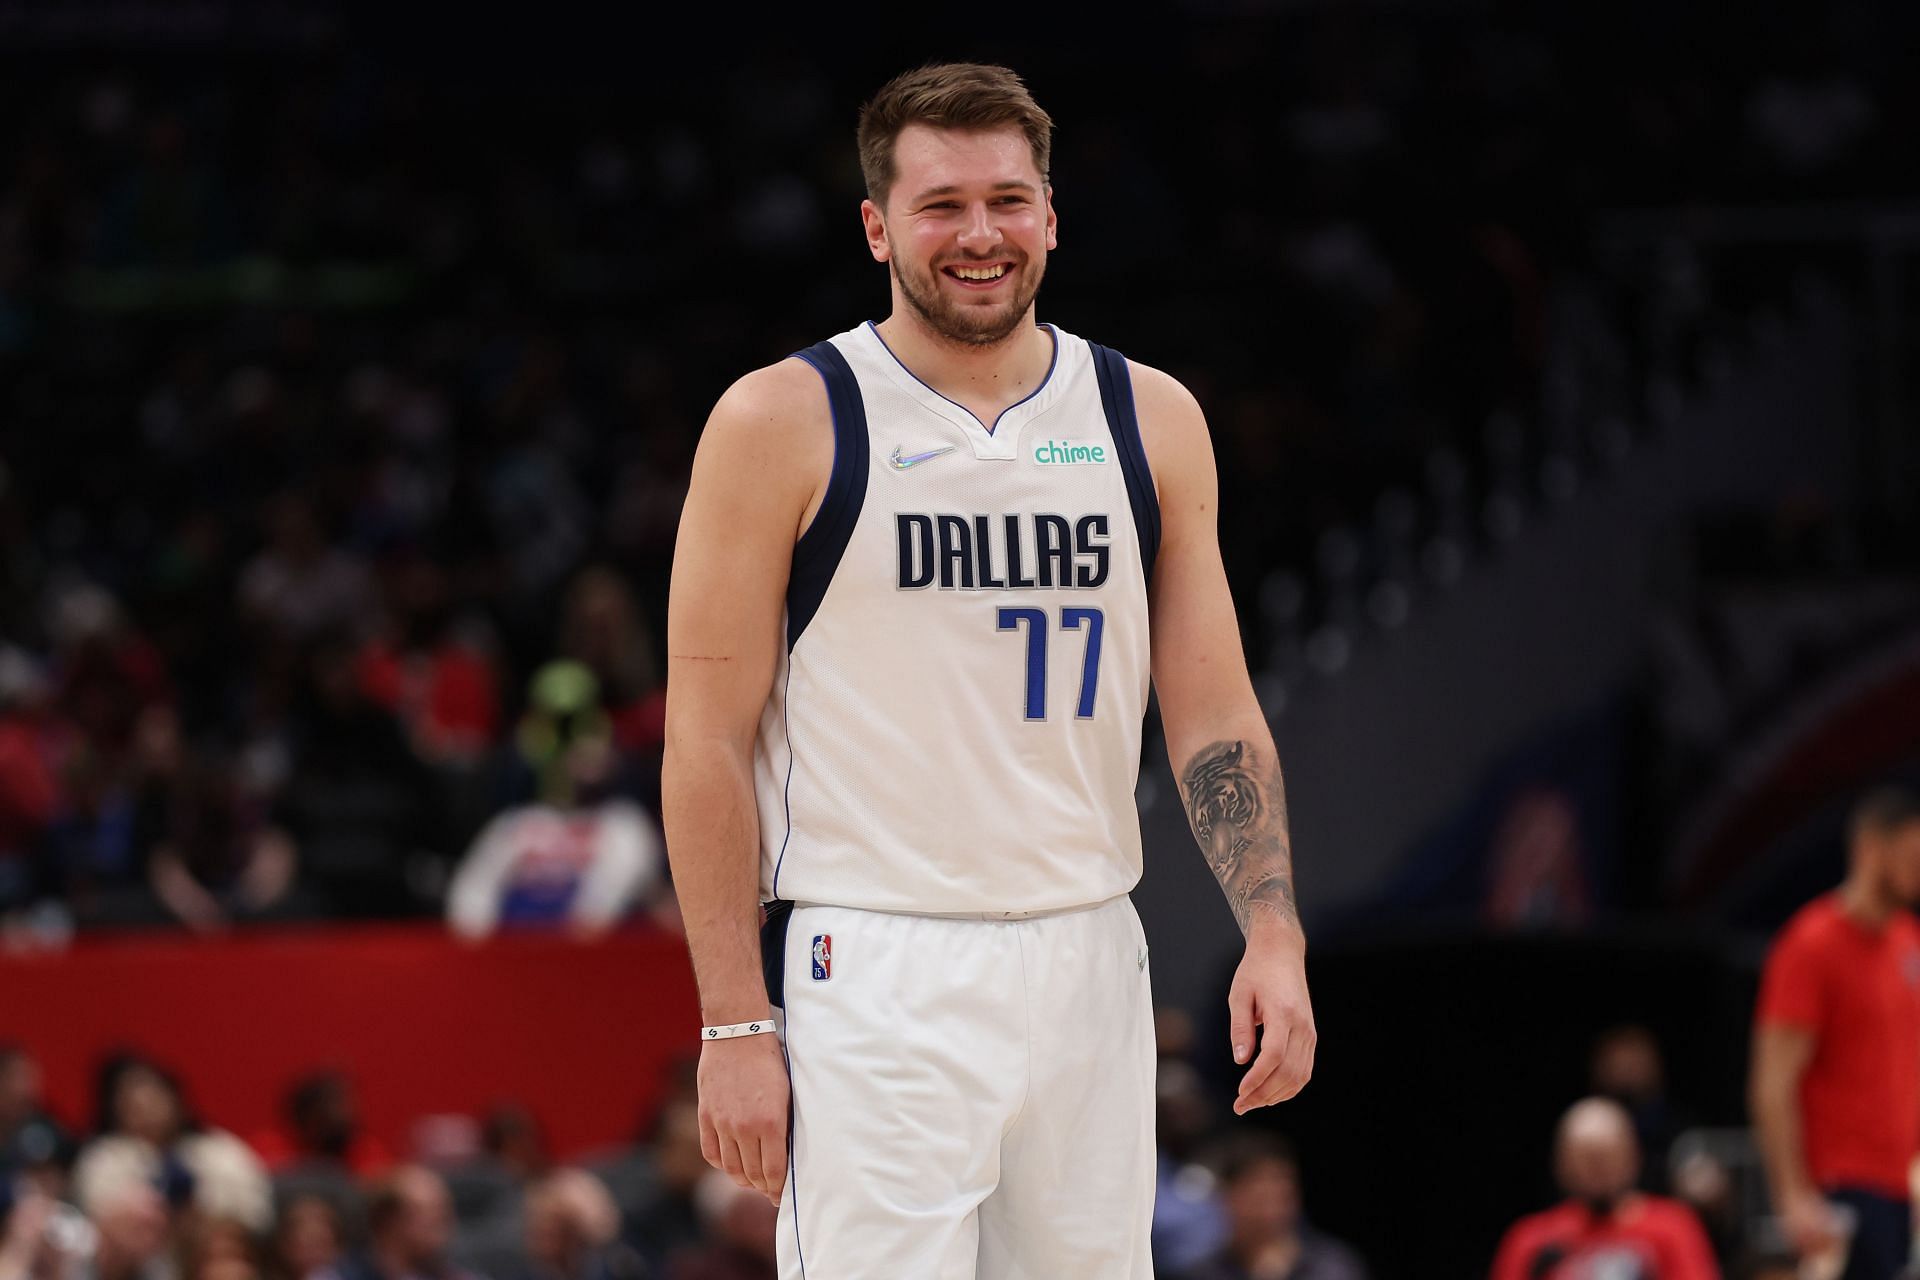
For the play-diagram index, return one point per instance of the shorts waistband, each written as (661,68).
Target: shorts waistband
(1039,914)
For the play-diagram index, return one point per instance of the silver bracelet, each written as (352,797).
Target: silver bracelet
(728,1032)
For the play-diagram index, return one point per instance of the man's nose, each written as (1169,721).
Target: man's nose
(978,231)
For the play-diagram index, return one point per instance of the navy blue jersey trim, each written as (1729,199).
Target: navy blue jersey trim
(793,1161)
(773,951)
(1052,364)
(1116,398)
(817,554)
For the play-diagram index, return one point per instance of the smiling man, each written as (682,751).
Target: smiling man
(925,572)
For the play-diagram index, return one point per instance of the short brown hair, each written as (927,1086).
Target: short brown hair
(948,95)
(1884,810)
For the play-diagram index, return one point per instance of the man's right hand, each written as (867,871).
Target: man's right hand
(1809,1222)
(744,1094)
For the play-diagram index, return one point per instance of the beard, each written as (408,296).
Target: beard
(970,326)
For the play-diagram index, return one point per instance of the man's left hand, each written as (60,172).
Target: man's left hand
(1270,991)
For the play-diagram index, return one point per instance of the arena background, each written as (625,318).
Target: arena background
(1559,363)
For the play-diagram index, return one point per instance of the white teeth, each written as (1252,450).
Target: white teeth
(980,273)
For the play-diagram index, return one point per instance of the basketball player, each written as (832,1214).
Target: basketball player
(924,572)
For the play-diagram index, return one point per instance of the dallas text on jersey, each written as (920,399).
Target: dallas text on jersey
(981,553)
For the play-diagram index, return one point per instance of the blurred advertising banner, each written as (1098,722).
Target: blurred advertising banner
(583,1033)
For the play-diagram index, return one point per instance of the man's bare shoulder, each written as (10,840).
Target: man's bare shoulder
(767,449)
(774,405)
(1173,430)
(1157,390)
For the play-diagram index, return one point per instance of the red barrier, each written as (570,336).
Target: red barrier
(581,1032)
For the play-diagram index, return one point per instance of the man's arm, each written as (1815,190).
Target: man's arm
(757,476)
(1781,1052)
(1220,747)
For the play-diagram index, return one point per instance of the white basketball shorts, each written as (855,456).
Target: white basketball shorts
(972,1097)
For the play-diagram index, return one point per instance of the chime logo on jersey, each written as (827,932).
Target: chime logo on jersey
(822,956)
(1068,453)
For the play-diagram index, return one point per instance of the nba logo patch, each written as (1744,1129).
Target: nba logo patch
(822,956)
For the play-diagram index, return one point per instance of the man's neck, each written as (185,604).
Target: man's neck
(1275,1255)
(1005,371)
(1864,904)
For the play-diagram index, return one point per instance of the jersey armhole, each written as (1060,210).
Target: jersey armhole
(817,552)
(1116,399)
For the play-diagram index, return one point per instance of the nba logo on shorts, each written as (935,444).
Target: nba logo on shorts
(822,956)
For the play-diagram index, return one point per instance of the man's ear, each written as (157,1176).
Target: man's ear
(876,225)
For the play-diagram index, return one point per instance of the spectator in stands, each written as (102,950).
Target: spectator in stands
(1189,1220)
(510,1134)
(573,1230)
(105,670)
(663,1219)
(322,1113)
(217,1248)
(138,1114)
(1268,1238)
(218,859)
(358,803)
(583,855)
(299,587)
(433,671)
(32,1142)
(134,1231)
(143,1123)
(309,1238)
(29,787)
(1835,1088)
(409,1225)
(1626,1066)
(488,1174)
(1704,1183)
(602,628)
(41,1238)
(98,842)
(1605,1226)
(738,1224)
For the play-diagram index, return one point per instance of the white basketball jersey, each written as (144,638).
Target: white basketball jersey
(955,726)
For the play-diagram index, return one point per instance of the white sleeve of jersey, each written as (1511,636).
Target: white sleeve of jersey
(473,899)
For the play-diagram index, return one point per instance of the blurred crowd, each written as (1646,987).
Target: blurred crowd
(147,1190)
(368,770)
(153,1193)
(348,401)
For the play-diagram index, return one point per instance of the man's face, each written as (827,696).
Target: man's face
(1900,862)
(309,1236)
(429,1221)
(969,202)
(134,1223)
(1263,1203)
(147,1106)
(549,1236)
(19,1085)
(1597,1165)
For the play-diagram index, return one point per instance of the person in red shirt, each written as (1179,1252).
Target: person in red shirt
(323,1128)
(1835,1087)
(1605,1227)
